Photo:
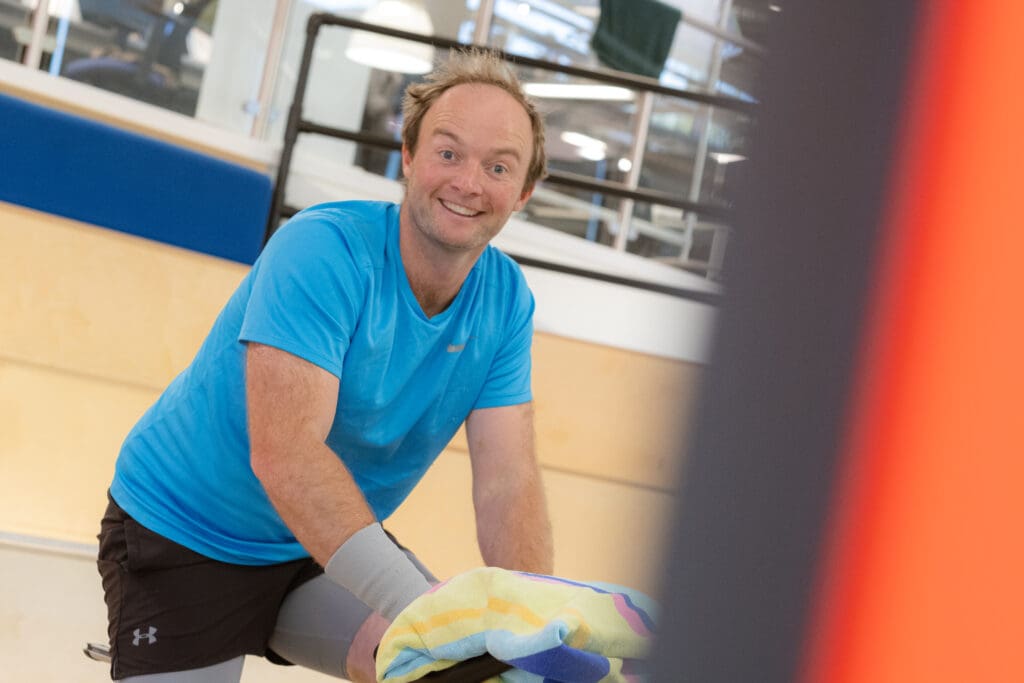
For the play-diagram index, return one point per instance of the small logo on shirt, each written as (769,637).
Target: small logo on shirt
(455,348)
(149,636)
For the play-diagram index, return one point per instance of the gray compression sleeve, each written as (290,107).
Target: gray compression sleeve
(376,571)
(225,672)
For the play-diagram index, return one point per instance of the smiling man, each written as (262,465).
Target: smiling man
(246,507)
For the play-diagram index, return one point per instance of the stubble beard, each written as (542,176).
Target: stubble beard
(430,225)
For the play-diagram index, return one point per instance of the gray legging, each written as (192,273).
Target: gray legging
(314,629)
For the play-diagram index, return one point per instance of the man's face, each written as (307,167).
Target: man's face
(467,174)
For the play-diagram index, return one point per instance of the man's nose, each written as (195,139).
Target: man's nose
(467,179)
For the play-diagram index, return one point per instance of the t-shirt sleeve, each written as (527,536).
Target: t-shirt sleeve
(307,290)
(508,381)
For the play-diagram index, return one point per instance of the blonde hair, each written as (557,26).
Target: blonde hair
(472,66)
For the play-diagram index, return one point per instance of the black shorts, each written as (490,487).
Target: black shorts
(172,609)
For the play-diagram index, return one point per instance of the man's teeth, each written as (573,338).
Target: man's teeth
(461,210)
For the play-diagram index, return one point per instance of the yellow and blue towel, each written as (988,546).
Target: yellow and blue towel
(548,628)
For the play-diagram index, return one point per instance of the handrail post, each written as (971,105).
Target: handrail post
(484,20)
(271,66)
(700,157)
(641,125)
(40,22)
(291,131)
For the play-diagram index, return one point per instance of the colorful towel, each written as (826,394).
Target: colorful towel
(548,628)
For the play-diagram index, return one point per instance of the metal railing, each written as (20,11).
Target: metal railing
(297,124)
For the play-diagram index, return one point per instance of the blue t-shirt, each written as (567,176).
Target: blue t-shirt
(329,287)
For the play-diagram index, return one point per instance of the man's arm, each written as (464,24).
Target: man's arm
(513,529)
(291,406)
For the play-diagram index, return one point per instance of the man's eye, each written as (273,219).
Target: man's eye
(499,168)
(447,154)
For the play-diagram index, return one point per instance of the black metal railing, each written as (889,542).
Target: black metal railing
(297,125)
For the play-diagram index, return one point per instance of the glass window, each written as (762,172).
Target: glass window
(584,213)
(206,58)
(545,29)
(685,138)
(230,92)
(150,50)
(344,91)
(689,147)
(336,91)
(15,31)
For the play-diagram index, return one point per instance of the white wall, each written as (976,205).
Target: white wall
(230,89)
(231,82)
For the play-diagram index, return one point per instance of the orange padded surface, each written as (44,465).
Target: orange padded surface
(923,580)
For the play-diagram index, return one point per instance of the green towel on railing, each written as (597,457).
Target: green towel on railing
(635,35)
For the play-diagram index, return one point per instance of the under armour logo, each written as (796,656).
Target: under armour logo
(150,636)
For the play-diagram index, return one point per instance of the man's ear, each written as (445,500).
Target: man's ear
(524,197)
(406,160)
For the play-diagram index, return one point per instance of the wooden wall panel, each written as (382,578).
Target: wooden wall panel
(604,531)
(59,436)
(103,303)
(611,413)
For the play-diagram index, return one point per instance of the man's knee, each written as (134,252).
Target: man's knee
(317,626)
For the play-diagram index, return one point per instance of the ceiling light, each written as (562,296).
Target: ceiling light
(775,8)
(726,157)
(579,91)
(581,140)
(394,54)
(625,165)
(587,147)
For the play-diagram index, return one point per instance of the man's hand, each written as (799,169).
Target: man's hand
(360,663)
(513,529)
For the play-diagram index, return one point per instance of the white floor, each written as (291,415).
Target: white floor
(51,604)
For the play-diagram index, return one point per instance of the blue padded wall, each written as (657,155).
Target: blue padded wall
(95,173)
